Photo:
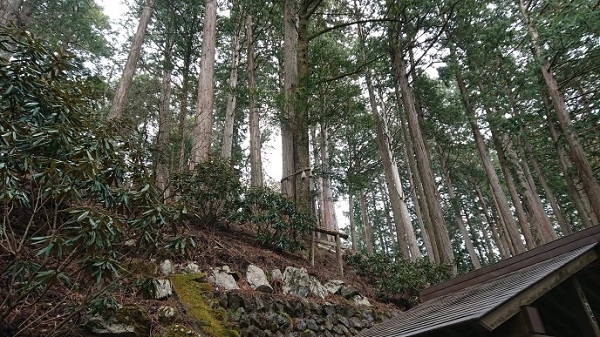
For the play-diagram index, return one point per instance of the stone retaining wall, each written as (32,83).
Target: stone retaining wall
(263,315)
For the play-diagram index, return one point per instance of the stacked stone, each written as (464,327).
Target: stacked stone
(263,315)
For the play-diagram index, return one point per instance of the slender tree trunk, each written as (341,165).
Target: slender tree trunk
(288,184)
(500,243)
(418,194)
(485,219)
(380,228)
(442,239)
(164,122)
(116,109)
(558,214)
(328,205)
(183,111)
(386,210)
(352,222)
(203,121)
(486,161)
(229,124)
(587,204)
(425,221)
(474,228)
(366,223)
(407,241)
(188,51)
(503,229)
(584,169)
(541,221)
(459,220)
(512,189)
(318,183)
(302,170)
(584,213)
(406,237)
(256,170)
(418,198)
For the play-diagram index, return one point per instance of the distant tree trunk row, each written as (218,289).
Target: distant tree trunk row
(493,156)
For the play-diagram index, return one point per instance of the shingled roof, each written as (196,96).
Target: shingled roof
(485,299)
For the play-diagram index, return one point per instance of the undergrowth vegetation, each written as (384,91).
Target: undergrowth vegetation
(209,192)
(275,219)
(398,280)
(78,203)
(69,194)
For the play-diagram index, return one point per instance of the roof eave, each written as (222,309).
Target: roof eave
(508,309)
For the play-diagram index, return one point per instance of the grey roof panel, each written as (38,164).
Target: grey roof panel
(470,303)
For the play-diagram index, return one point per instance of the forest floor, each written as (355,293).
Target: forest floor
(215,247)
(238,248)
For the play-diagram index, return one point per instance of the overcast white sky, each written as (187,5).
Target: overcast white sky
(113,8)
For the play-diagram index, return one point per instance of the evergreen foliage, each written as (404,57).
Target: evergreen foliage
(397,279)
(210,192)
(275,219)
(68,192)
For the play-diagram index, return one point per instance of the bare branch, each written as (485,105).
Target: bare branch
(353,72)
(347,24)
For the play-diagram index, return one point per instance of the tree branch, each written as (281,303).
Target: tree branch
(353,72)
(347,24)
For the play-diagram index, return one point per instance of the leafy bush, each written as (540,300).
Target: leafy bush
(210,192)
(397,279)
(275,219)
(69,195)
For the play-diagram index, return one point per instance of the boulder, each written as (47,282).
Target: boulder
(223,279)
(296,281)
(316,288)
(128,321)
(348,291)
(334,286)
(191,268)
(361,300)
(167,268)
(102,327)
(276,276)
(257,279)
(163,289)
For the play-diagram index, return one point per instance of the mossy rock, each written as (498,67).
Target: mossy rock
(193,292)
(128,321)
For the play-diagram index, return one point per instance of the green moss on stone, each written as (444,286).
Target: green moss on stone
(192,292)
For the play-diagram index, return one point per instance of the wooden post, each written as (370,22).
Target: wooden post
(593,323)
(338,247)
(338,254)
